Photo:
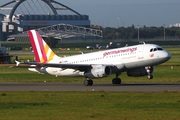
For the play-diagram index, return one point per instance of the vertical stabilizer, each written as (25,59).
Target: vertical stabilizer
(42,51)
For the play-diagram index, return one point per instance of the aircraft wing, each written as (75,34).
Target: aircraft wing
(81,67)
(65,66)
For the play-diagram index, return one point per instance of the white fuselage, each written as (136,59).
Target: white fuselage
(124,58)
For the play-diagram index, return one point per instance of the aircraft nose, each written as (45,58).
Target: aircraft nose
(167,55)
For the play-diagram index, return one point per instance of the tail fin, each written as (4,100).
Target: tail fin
(42,51)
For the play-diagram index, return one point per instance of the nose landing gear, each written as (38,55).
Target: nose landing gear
(149,70)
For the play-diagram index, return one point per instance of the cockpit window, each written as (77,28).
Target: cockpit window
(155,49)
(159,48)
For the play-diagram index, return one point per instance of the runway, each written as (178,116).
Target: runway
(126,87)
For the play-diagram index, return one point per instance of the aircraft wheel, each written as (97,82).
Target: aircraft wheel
(88,82)
(116,81)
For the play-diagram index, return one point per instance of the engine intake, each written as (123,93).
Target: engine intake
(140,71)
(98,72)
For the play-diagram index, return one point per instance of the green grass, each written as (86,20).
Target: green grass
(163,73)
(89,106)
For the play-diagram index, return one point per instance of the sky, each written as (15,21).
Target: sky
(118,13)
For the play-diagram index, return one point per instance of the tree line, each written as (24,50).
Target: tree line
(143,32)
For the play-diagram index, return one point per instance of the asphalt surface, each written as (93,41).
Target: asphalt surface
(130,87)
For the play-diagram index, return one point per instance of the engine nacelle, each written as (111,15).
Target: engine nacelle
(98,72)
(140,71)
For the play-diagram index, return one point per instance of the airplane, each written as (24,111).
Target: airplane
(136,61)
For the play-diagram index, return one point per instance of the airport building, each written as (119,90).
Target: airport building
(18,16)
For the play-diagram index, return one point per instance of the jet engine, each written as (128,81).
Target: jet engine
(98,72)
(143,71)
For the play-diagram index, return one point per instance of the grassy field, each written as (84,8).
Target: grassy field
(165,74)
(89,106)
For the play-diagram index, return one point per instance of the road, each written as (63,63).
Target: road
(129,87)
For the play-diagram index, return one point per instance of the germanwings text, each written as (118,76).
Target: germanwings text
(119,51)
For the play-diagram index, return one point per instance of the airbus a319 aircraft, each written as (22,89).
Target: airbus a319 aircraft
(136,61)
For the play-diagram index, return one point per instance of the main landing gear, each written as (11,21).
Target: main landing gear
(116,80)
(88,82)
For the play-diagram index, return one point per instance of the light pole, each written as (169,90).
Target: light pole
(138,32)
(164,32)
(118,23)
